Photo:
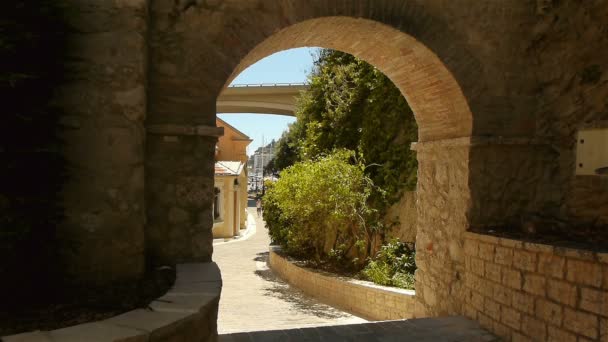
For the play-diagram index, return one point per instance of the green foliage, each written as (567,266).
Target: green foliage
(352,105)
(394,265)
(318,209)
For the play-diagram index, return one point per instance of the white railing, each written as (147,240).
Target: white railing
(266,85)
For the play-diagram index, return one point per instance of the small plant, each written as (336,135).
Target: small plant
(394,265)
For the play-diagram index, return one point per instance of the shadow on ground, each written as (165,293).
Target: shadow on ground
(452,329)
(277,288)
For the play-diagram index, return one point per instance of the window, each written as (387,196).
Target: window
(217,204)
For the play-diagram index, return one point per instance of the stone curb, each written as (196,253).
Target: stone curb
(186,312)
(362,298)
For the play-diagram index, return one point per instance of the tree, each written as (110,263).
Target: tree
(319,208)
(352,105)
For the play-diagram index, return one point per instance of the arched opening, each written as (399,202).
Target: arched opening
(445,123)
(437,100)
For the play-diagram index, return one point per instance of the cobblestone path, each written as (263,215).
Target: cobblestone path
(254,299)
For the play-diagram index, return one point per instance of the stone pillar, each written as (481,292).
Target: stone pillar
(443,201)
(472,182)
(179,192)
(103,99)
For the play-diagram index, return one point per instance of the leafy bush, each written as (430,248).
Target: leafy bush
(394,265)
(318,209)
(352,105)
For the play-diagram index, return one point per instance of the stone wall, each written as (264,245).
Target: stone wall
(104,101)
(187,312)
(533,292)
(361,298)
(179,195)
(569,47)
(442,210)
(519,76)
(404,214)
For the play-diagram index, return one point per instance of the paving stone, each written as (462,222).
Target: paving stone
(253,298)
(35,336)
(98,332)
(256,306)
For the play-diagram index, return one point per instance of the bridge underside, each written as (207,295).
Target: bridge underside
(260,99)
(232,107)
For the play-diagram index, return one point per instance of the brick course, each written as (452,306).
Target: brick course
(547,294)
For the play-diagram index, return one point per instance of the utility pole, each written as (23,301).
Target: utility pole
(263,189)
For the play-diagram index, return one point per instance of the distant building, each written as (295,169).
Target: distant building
(230,182)
(262,157)
(259,160)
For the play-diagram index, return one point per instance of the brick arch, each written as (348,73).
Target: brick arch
(195,51)
(438,102)
(445,122)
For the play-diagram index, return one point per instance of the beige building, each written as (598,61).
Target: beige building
(230,183)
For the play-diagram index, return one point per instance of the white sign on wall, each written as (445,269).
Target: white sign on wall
(592,152)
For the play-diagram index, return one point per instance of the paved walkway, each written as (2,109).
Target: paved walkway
(254,299)
(257,306)
(443,329)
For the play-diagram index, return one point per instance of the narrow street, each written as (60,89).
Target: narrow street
(257,306)
(254,299)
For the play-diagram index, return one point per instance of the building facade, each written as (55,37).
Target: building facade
(230,182)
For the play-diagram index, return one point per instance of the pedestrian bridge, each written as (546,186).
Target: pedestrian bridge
(273,98)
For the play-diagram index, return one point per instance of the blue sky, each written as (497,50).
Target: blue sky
(289,66)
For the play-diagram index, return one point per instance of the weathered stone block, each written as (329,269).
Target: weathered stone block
(562,292)
(523,302)
(595,301)
(486,288)
(477,266)
(510,243)
(477,301)
(492,271)
(486,251)
(510,318)
(558,334)
(524,260)
(517,337)
(471,247)
(534,328)
(538,247)
(535,284)
(551,265)
(584,272)
(549,312)
(503,294)
(581,323)
(503,256)
(491,308)
(485,321)
(502,330)
(512,278)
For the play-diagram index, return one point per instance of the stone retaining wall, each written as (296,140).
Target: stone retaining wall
(361,298)
(534,292)
(188,312)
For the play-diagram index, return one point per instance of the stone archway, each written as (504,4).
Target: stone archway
(436,98)
(144,75)
(442,113)
(432,90)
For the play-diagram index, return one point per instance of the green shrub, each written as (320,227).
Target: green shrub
(394,265)
(318,209)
